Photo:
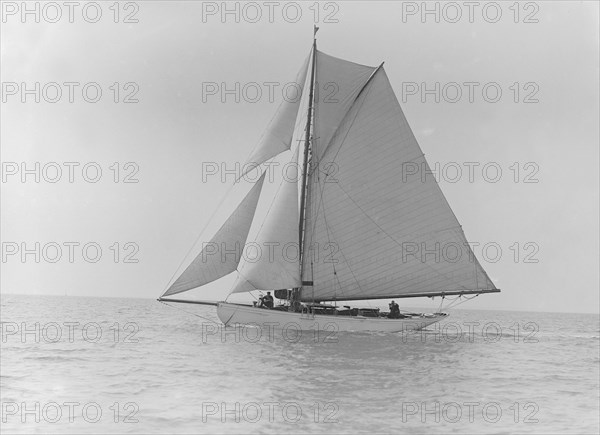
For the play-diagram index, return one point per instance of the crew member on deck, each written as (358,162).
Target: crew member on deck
(267,301)
(394,310)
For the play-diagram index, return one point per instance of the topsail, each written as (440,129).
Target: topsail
(338,82)
(278,136)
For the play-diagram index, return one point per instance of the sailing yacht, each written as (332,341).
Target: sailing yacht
(359,226)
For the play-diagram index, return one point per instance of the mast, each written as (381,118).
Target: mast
(306,148)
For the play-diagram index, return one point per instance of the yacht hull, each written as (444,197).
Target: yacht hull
(235,314)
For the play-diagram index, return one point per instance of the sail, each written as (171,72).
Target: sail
(338,82)
(372,231)
(278,136)
(272,260)
(222,254)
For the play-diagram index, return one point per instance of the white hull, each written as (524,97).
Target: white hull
(234,314)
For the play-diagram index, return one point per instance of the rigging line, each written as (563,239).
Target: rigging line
(188,312)
(457,299)
(441,303)
(452,305)
(392,238)
(452,299)
(230,317)
(342,253)
(337,279)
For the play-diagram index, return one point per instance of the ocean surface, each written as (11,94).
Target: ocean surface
(100,365)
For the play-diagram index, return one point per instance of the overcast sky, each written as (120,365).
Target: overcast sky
(541,212)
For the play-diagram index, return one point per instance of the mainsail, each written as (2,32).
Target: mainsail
(387,234)
(223,253)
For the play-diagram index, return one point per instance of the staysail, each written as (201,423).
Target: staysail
(222,254)
(275,263)
(373,231)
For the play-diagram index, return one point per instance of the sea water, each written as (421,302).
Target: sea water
(100,365)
